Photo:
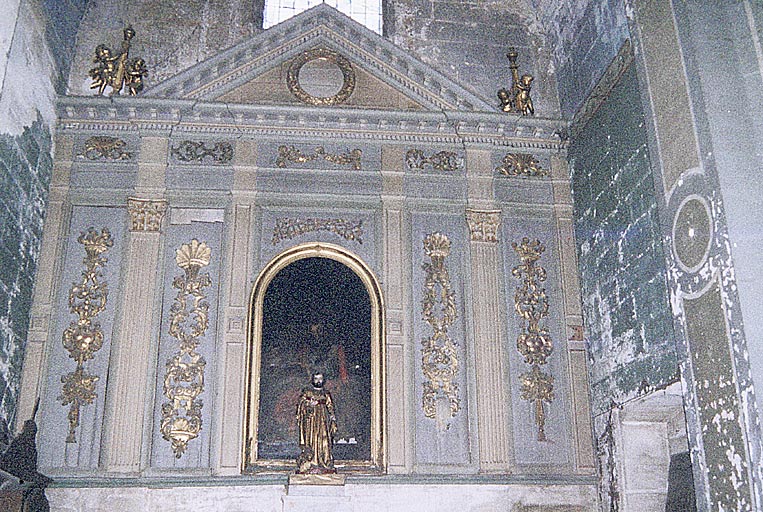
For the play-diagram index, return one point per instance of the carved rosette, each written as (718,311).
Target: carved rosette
(533,342)
(445,161)
(521,164)
(146,215)
(104,147)
(286,229)
(189,319)
(199,152)
(84,337)
(483,225)
(291,154)
(439,354)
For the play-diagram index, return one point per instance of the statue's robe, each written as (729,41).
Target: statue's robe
(317,426)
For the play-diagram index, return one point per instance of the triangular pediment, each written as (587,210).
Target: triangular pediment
(348,63)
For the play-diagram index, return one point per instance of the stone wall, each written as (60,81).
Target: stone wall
(583,37)
(621,259)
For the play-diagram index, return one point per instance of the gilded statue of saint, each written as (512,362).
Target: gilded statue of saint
(316,423)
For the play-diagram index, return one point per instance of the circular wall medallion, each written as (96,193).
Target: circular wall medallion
(692,233)
(320,77)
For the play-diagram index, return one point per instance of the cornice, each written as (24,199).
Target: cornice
(99,115)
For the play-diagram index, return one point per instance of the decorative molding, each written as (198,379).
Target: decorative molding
(446,161)
(533,342)
(84,337)
(195,120)
(521,164)
(184,380)
(104,147)
(439,353)
(146,214)
(603,88)
(348,74)
(286,228)
(292,154)
(197,152)
(483,225)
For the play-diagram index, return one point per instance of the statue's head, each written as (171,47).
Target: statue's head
(526,80)
(318,380)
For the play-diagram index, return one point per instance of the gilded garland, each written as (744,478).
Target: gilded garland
(292,154)
(534,342)
(439,354)
(189,319)
(344,65)
(84,337)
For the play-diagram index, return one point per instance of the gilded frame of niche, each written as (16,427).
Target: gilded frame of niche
(250,461)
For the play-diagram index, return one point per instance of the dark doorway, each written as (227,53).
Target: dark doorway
(316,317)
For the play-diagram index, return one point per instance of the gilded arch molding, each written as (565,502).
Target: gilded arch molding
(377,462)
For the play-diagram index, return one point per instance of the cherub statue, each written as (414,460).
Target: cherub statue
(134,76)
(517,99)
(115,70)
(523,101)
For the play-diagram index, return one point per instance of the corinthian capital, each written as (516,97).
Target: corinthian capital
(483,225)
(146,214)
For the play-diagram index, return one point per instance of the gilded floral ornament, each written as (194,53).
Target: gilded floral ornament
(439,355)
(104,147)
(84,337)
(115,70)
(286,228)
(521,164)
(146,214)
(291,154)
(189,319)
(323,54)
(483,225)
(533,342)
(445,161)
(538,387)
(199,152)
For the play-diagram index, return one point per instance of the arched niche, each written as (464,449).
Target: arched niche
(264,429)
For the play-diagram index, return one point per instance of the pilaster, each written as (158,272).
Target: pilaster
(129,386)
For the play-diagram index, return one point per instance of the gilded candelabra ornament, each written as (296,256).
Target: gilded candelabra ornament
(189,319)
(538,387)
(115,70)
(84,337)
(292,154)
(534,341)
(521,164)
(446,161)
(103,147)
(286,229)
(439,354)
(517,99)
(197,151)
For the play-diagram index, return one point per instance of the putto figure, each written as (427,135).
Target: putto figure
(316,423)
(517,99)
(116,71)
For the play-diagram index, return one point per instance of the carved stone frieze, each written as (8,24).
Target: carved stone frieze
(84,337)
(146,214)
(439,353)
(104,147)
(291,154)
(287,228)
(483,225)
(446,161)
(189,319)
(521,164)
(534,341)
(198,152)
